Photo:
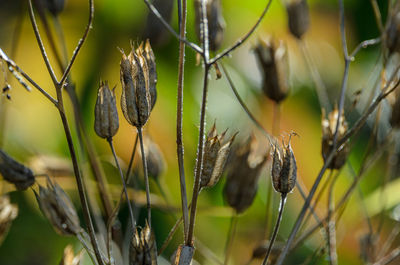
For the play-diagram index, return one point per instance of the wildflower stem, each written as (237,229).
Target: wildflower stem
(231,237)
(146,176)
(128,171)
(331,225)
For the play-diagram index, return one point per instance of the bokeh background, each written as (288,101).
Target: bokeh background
(32,132)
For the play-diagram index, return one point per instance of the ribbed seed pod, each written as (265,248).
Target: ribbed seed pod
(16,173)
(216,22)
(151,63)
(143,249)
(58,208)
(105,113)
(216,153)
(275,69)
(135,99)
(8,212)
(284,169)
(242,177)
(298,17)
(328,131)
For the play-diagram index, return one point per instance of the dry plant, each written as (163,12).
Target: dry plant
(216,152)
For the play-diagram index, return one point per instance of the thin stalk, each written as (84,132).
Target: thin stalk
(109,140)
(394,254)
(389,241)
(128,171)
(89,251)
(276,229)
(146,176)
(231,237)
(331,227)
(268,204)
(179,117)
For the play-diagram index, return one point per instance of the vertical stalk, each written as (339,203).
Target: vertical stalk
(331,225)
(231,236)
(146,176)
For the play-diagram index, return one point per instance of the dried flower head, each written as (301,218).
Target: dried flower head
(105,112)
(14,172)
(143,249)
(58,208)
(298,17)
(216,22)
(216,153)
(284,169)
(55,6)
(242,177)
(69,257)
(8,212)
(154,29)
(151,64)
(154,157)
(274,65)
(136,102)
(328,131)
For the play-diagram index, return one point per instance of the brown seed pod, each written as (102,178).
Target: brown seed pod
(55,7)
(16,173)
(143,249)
(151,63)
(328,131)
(58,208)
(154,157)
(284,169)
(216,22)
(8,212)
(298,17)
(106,121)
(216,153)
(242,177)
(274,65)
(154,29)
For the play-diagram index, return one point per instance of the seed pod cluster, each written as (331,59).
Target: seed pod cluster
(16,173)
(216,22)
(106,121)
(138,79)
(284,169)
(298,17)
(216,152)
(143,249)
(8,212)
(242,177)
(274,65)
(56,205)
(328,131)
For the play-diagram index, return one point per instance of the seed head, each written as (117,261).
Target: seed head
(216,23)
(216,152)
(328,131)
(105,113)
(151,64)
(55,6)
(16,173)
(298,17)
(58,208)
(8,212)
(274,65)
(243,172)
(143,248)
(284,169)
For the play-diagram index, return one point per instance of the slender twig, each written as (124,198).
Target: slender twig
(87,248)
(129,170)
(378,16)
(394,254)
(146,176)
(389,241)
(276,229)
(331,227)
(363,45)
(230,238)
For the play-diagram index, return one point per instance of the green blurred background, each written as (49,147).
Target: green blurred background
(31,126)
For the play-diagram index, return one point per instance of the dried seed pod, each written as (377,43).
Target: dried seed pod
(274,64)
(55,6)
(8,212)
(15,173)
(298,17)
(284,169)
(136,98)
(328,131)
(243,173)
(143,249)
(216,22)
(69,257)
(58,208)
(154,157)
(151,63)
(105,112)
(216,153)
(154,29)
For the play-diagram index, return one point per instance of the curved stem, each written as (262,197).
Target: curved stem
(275,233)
(146,176)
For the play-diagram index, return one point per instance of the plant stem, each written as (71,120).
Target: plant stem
(231,236)
(146,176)
(275,233)
(331,225)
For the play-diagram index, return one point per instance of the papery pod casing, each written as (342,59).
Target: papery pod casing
(8,212)
(284,169)
(151,64)
(298,17)
(143,249)
(106,121)
(16,173)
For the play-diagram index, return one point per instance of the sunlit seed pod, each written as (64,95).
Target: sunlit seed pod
(216,22)
(55,7)
(106,121)
(8,212)
(274,66)
(328,131)
(298,17)
(56,205)
(143,249)
(151,64)
(16,173)
(154,29)
(242,176)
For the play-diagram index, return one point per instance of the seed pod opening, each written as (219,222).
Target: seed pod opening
(328,131)
(16,173)
(106,121)
(273,62)
(216,22)
(143,249)
(298,17)
(8,212)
